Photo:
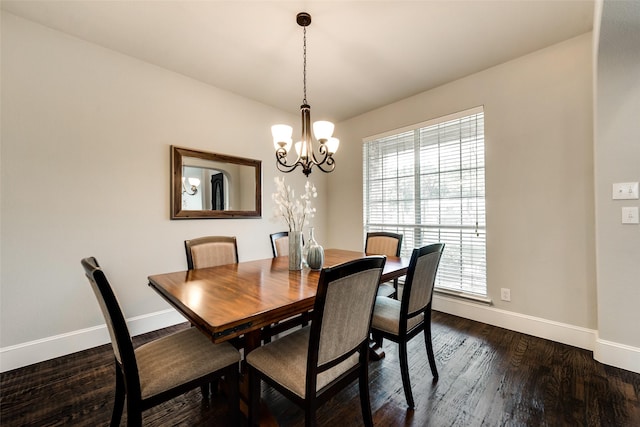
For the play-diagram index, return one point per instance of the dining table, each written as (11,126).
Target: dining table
(241,299)
(237,301)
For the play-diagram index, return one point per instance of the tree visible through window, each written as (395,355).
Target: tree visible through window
(427,182)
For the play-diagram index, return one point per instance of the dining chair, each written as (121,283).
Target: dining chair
(400,321)
(280,243)
(280,247)
(162,369)
(310,365)
(384,243)
(211,251)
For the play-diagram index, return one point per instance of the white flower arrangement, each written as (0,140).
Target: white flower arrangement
(296,212)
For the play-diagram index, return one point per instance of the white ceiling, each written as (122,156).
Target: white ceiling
(360,54)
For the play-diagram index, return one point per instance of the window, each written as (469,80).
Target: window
(427,182)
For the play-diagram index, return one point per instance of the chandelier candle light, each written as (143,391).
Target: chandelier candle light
(323,130)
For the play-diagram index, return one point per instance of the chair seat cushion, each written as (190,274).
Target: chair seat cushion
(386,316)
(285,361)
(386,290)
(179,358)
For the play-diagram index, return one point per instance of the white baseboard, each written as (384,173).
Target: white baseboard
(17,356)
(542,328)
(618,355)
(609,353)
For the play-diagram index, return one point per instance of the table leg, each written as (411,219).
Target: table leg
(252,340)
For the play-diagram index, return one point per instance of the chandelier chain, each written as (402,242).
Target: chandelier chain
(304,64)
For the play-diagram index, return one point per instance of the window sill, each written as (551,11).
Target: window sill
(463,295)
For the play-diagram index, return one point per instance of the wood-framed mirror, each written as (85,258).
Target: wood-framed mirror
(211,185)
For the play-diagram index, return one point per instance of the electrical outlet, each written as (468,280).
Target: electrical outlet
(630,215)
(505,294)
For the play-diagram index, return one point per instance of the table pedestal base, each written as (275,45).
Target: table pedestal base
(375,351)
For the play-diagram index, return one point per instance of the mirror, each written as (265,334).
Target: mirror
(210,185)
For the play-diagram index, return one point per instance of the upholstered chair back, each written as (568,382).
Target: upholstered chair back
(423,282)
(418,288)
(282,246)
(345,302)
(383,243)
(211,251)
(346,315)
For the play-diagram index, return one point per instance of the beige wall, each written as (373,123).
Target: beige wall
(539,177)
(85,172)
(617,150)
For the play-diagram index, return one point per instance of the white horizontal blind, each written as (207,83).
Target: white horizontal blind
(427,183)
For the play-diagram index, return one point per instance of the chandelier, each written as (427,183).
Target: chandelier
(307,157)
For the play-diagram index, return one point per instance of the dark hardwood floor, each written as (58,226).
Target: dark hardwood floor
(488,377)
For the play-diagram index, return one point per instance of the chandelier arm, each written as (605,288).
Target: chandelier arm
(326,159)
(281,154)
(281,161)
(286,168)
(323,153)
(330,162)
(306,165)
(327,164)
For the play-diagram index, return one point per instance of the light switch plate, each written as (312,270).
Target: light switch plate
(630,215)
(625,191)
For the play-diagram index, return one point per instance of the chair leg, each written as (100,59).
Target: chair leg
(266,334)
(363,382)
(205,389)
(377,338)
(118,404)
(310,412)
(134,414)
(430,355)
(234,395)
(404,370)
(254,398)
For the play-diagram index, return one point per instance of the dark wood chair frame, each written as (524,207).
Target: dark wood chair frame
(360,370)
(405,335)
(396,236)
(127,376)
(188,244)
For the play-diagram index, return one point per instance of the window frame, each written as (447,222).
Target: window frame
(472,283)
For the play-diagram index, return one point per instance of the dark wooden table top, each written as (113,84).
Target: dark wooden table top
(231,300)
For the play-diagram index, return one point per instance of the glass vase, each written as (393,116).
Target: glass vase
(314,252)
(295,250)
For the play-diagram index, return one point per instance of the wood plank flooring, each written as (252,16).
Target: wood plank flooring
(488,377)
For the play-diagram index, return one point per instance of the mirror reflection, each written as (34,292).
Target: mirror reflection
(211,185)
